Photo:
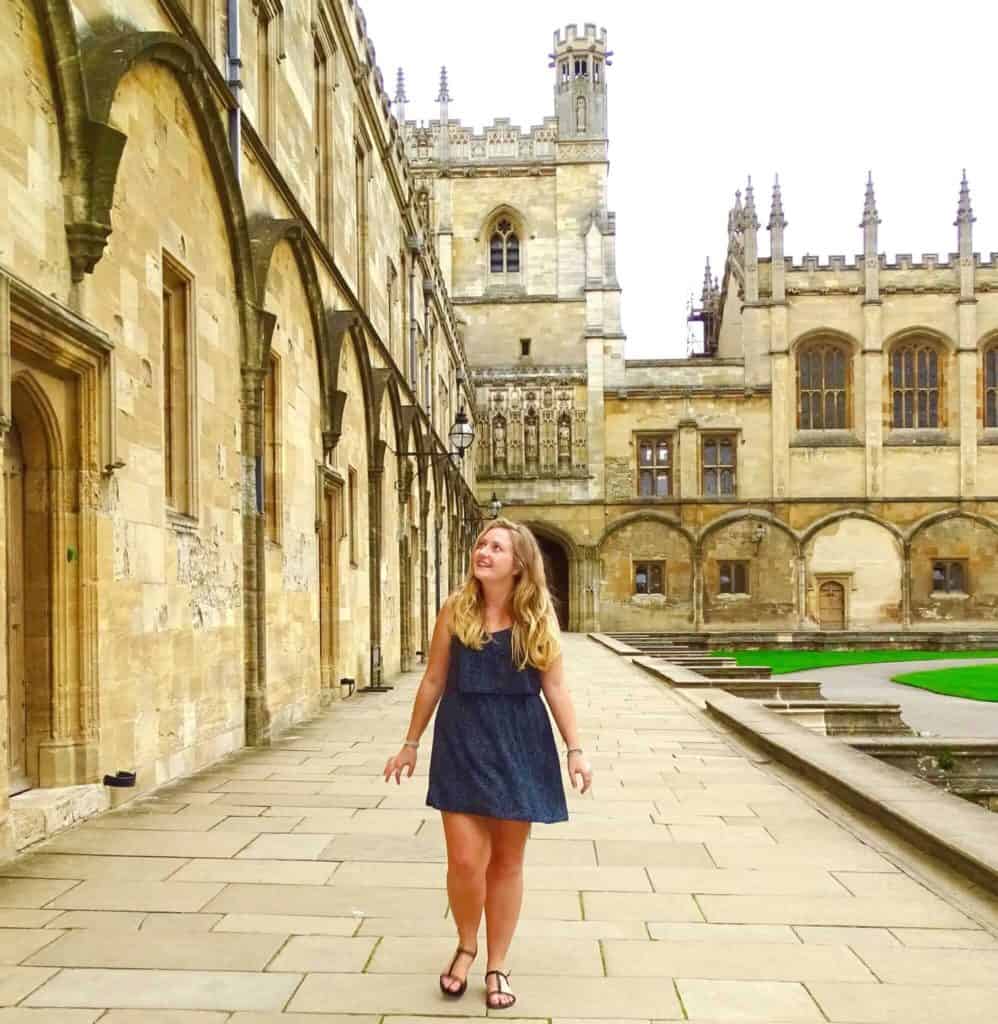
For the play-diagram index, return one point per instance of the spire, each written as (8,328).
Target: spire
(965,242)
(871,258)
(707,292)
(776,218)
(870,204)
(735,215)
(444,95)
(400,96)
(964,214)
(751,220)
(777,222)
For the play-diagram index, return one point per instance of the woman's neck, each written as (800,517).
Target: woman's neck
(496,608)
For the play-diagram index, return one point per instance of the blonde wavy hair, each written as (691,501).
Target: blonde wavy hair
(536,636)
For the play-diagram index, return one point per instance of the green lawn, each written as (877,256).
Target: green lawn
(800,661)
(976,682)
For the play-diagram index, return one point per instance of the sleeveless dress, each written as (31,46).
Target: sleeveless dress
(494,752)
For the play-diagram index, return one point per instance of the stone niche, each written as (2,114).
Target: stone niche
(769,560)
(645,540)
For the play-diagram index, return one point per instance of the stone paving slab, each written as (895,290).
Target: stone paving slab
(183,951)
(158,990)
(906,1004)
(291,885)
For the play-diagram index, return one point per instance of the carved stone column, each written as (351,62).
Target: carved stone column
(258,718)
(375,517)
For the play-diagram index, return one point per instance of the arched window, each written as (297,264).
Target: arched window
(915,386)
(504,249)
(991,387)
(823,399)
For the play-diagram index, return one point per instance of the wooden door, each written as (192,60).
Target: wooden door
(329,589)
(832,605)
(17,705)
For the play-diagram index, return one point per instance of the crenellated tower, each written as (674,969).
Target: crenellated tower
(580,63)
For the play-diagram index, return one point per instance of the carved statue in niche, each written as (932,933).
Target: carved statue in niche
(580,114)
(530,440)
(499,444)
(564,442)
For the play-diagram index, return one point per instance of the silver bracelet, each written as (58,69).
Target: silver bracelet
(411,743)
(573,750)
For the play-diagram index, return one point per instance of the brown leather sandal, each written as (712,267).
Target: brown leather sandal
(449,973)
(502,977)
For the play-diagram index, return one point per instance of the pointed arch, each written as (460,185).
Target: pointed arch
(504,231)
(104,60)
(650,517)
(950,513)
(741,515)
(48,419)
(849,513)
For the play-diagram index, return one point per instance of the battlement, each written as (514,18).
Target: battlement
(572,39)
(809,264)
(500,142)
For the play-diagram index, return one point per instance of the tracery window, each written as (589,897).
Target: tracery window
(991,387)
(915,386)
(718,455)
(504,249)
(655,466)
(823,398)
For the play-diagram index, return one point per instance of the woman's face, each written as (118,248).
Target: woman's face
(493,560)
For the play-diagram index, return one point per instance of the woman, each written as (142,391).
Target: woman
(494,766)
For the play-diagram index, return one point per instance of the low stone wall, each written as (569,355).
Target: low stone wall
(957,832)
(963,766)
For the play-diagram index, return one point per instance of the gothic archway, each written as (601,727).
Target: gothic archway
(556,567)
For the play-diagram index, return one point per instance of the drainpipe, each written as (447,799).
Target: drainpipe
(415,248)
(235,83)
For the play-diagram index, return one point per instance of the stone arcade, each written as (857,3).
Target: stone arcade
(235,286)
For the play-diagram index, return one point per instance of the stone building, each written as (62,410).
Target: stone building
(826,461)
(220,332)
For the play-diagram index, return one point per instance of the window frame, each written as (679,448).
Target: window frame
(351,517)
(736,566)
(179,393)
(269,19)
(824,345)
(649,564)
(715,437)
(917,345)
(949,565)
(655,439)
(504,277)
(324,67)
(990,354)
(272,449)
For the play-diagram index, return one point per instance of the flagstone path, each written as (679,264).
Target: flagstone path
(291,885)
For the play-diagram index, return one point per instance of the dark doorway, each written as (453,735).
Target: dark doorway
(556,568)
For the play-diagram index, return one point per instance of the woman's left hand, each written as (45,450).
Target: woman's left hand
(578,765)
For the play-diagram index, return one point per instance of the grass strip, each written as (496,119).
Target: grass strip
(782,661)
(973,682)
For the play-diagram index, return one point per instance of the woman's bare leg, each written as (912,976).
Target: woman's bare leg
(468,844)
(504,892)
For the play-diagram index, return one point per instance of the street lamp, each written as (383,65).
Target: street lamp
(461,436)
(495,506)
(462,433)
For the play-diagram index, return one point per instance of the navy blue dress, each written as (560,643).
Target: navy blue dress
(493,749)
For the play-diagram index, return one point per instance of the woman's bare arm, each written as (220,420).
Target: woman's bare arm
(431,686)
(559,700)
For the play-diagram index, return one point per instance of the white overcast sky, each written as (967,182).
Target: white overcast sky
(702,94)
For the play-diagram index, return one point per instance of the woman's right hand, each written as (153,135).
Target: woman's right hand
(405,758)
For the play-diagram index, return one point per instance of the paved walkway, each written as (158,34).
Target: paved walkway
(931,713)
(291,886)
